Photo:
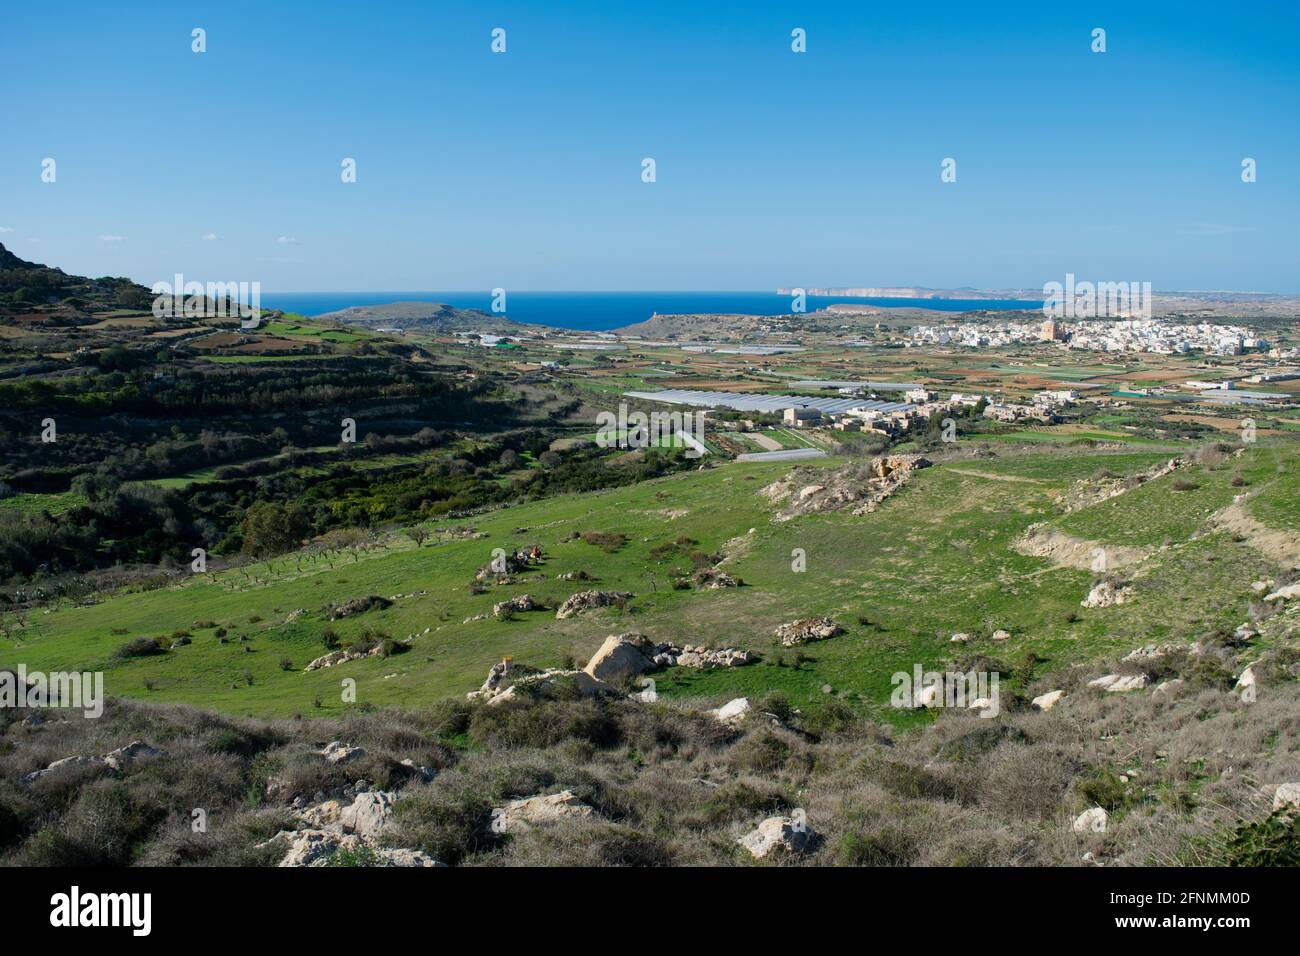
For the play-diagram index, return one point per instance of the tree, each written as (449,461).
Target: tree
(418,535)
(272,528)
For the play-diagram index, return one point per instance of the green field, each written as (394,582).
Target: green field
(934,560)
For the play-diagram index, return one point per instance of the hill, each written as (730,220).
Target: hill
(422,316)
(30,287)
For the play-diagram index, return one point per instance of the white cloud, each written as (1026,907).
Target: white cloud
(287,241)
(112,238)
(209,237)
(6,229)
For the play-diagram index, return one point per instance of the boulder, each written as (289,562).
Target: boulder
(1117,684)
(547,683)
(124,757)
(1287,796)
(358,606)
(315,847)
(1284,593)
(586,600)
(1167,687)
(961,638)
(86,761)
(714,579)
(1001,635)
(1106,594)
(807,629)
(519,815)
(1048,701)
(1093,820)
(518,604)
(777,836)
(621,657)
(338,752)
(732,712)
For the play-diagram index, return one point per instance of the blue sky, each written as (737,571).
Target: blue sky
(523,170)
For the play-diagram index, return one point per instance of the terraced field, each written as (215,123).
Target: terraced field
(935,559)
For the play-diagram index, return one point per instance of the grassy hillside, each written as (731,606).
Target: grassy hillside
(935,559)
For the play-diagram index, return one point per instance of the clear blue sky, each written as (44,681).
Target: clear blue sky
(523,170)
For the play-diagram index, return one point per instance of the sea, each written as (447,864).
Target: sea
(602,311)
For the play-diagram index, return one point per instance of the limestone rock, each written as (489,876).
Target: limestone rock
(1287,796)
(540,810)
(1106,594)
(586,600)
(621,657)
(338,752)
(518,604)
(777,836)
(1117,684)
(1093,820)
(124,757)
(732,712)
(807,629)
(1049,700)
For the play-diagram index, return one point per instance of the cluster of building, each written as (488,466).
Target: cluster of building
(1099,335)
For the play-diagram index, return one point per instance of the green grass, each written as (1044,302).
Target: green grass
(935,559)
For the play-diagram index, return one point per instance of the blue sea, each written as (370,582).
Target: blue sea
(601,311)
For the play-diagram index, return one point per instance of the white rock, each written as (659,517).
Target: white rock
(778,835)
(519,815)
(1287,795)
(732,711)
(1049,700)
(960,638)
(1115,684)
(1167,687)
(1001,635)
(1284,593)
(1091,821)
(338,752)
(620,657)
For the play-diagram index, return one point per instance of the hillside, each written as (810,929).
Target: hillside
(422,316)
(30,287)
(1185,772)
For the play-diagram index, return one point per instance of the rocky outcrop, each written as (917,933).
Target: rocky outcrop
(1092,820)
(859,487)
(621,657)
(732,712)
(520,815)
(358,606)
(1287,797)
(587,600)
(1106,594)
(1088,492)
(1118,684)
(519,604)
(356,827)
(807,629)
(342,656)
(121,759)
(777,836)
(503,685)
(338,752)
(714,579)
(1047,701)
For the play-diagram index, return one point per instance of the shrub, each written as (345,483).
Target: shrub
(139,647)
(1273,841)
(607,541)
